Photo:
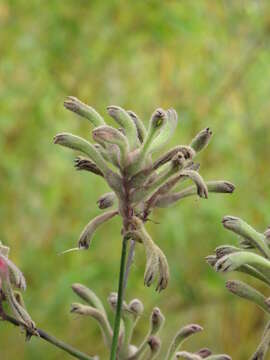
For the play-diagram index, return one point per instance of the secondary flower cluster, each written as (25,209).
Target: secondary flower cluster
(11,277)
(150,347)
(252,257)
(125,158)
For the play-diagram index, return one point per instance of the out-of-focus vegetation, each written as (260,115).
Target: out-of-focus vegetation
(207,59)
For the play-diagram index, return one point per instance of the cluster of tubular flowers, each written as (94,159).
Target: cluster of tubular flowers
(251,257)
(150,346)
(139,181)
(11,278)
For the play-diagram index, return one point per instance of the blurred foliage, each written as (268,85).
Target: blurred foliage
(207,59)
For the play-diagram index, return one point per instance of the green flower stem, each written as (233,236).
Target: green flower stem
(117,318)
(53,340)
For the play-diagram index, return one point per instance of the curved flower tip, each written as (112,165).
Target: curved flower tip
(190,330)
(201,140)
(106,200)
(231,222)
(157,320)
(225,264)
(75,105)
(136,307)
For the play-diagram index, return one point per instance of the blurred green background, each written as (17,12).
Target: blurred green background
(207,59)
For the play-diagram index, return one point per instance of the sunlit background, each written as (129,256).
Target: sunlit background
(207,59)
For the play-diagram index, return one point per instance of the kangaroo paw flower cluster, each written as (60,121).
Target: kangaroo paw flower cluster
(252,257)
(11,278)
(150,346)
(139,181)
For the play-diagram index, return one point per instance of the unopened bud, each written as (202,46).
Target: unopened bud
(247,292)
(181,336)
(178,160)
(225,250)
(220,186)
(88,295)
(77,143)
(157,118)
(78,107)
(109,134)
(141,131)
(136,307)
(201,140)
(157,321)
(122,117)
(243,229)
(106,200)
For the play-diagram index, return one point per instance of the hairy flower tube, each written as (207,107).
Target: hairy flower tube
(252,257)
(151,346)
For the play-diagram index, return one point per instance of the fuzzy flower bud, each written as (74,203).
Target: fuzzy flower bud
(241,228)
(125,121)
(247,292)
(106,200)
(108,134)
(157,321)
(89,296)
(136,307)
(180,337)
(201,140)
(141,130)
(86,111)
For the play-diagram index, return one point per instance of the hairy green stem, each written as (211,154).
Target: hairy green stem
(117,318)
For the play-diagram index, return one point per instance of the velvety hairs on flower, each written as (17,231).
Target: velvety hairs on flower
(151,346)
(139,181)
(125,157)
(252,258)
